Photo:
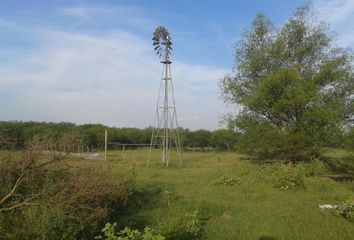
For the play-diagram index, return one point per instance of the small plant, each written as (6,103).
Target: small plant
(169,197)
(109,233)
(192,224)
(288,176)
(347,210)
(227,181)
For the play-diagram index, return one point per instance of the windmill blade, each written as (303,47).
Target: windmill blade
(162,41)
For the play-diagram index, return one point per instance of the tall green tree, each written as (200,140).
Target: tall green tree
(294,88)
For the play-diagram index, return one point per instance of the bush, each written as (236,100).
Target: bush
(46,222)
(348,212)
(315,167)
(193,224)
(109,233)
(42,197)
(345,210)
(288,176)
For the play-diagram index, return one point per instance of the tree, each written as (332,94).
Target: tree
(223,139)
(200,138)
(295,88)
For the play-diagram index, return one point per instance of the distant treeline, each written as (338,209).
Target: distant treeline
(92,135)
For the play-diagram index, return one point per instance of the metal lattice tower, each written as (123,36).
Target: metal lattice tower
(165,132)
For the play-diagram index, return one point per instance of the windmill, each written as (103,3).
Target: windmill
(165,132)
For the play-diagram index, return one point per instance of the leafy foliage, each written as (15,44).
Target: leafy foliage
(91,136)
(193,224)
(287,176)
(224,139)
(200,138)
(315,167)
(347,210)
(109,233)
(169,197)
(296,90)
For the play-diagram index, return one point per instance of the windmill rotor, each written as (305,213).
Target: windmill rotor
(162,41)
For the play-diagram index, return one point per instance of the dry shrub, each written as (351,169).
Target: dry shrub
(91,194)
(21,175)
(43,197)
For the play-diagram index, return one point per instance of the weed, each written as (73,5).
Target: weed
(347,210)
(288,176)
(193,224)
(169,197)
(227,181)
(109,233)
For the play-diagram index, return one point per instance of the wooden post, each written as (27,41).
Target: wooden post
(123,154)
(105,145)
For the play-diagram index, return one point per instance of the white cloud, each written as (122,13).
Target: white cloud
(335,11)
(340,15)
(115,16)
(110,79)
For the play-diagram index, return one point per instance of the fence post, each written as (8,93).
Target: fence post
(105,145)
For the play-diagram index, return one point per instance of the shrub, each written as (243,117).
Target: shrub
(109,233)
(193,224)
(347,210)
(315,167)
(42,197)
(288,176)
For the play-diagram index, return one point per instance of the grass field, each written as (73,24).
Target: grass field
(252,209)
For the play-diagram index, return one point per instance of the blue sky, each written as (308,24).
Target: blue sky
(92,61)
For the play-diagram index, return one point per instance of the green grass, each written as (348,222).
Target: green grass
(252,209)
